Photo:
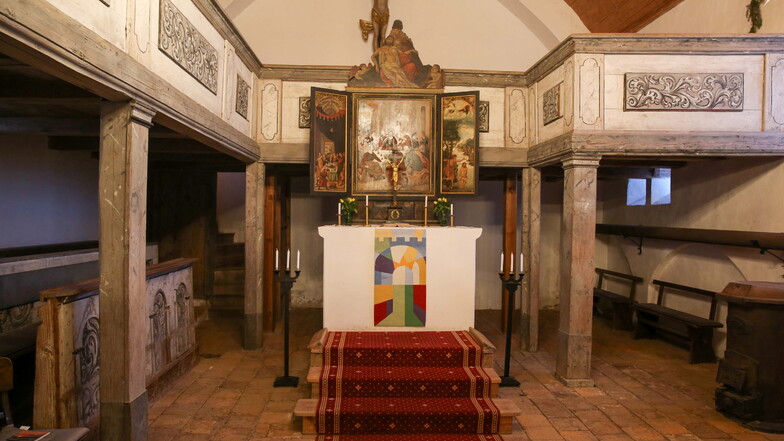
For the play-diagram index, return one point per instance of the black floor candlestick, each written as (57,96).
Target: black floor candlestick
(286,283)
(510,283)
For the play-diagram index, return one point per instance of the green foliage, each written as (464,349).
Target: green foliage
(349,206)
(441,207)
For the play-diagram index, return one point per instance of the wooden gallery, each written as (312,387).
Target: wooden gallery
(384,220)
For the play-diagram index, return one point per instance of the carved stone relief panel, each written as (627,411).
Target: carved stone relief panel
(568,93)
(551,105)
(243,97)
(776,92)
(187,47)
(304,112)
(705,92)
(516,116)
(270,99)
(590,91)
(483,117)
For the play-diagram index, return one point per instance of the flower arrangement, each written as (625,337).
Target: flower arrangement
(441,209)
(348,208)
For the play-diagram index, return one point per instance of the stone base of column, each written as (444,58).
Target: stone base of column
(575,382)
(573,363)
(125,421)
(253,331)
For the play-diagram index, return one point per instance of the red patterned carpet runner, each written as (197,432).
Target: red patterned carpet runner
(417,386)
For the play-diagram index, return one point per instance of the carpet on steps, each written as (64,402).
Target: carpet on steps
(410,437)
(393,383)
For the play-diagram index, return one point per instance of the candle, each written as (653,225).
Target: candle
(339,209)
(502,263)
(288,259)
(521,262)
(511,265)
(298,260)
(451,209)
(277,266)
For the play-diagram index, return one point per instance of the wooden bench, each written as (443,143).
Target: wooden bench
(696,332)
(621,314)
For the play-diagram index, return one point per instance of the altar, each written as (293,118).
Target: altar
(399,278)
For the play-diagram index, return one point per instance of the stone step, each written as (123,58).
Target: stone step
(228,289)
(224,238)
(229,260)
(314,377)
(306,409)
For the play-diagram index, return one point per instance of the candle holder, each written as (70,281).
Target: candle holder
(286,283)
(510,283)
(425,214)
(340,218)
(451,220)
(367,215)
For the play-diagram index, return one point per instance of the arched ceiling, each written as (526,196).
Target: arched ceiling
(620,15)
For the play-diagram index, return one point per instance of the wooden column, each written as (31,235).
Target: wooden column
(254,254)
(510,235)
(578,240)
(268,280)
(123,306)
(532,206)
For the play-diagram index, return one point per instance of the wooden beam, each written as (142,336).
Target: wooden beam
(50,126)
(269,250)
(510,237)
(255,177)
(123,297)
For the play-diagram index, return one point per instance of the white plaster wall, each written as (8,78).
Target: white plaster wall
(550,244)
(231,205)
(457,34)
(46,196)
(234,67)
(733,194)
(162,65)
(106,21)
(717,16)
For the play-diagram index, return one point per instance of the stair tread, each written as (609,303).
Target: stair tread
(401,374)
(307,407)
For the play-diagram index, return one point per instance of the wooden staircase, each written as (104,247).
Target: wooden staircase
(228,290)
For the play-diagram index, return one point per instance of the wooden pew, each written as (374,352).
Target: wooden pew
(621,314)
(695,331)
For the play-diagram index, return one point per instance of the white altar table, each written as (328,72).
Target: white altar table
(367,270)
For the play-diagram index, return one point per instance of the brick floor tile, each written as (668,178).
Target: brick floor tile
(570,435)
(533,420)
(600,428)
(543,433)
(568,424)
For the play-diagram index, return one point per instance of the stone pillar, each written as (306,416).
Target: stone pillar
(532,206)
(254,254)
(578,240)
(123,301)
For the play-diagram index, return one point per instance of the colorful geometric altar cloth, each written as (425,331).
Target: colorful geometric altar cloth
(400,283)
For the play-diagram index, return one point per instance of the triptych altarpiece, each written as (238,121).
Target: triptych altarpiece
(432,139)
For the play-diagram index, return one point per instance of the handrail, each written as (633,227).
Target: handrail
(635,279)
(750,239)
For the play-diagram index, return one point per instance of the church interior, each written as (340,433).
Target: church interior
(384,220)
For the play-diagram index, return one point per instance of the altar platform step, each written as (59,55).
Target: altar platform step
(417,413)
(442,381)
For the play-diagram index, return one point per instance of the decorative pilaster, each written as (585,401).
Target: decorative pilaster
(578,241)
(254,258)
(532,205)
(123,306)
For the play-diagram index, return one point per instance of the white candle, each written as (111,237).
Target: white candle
(511,265)
(340,208)
(288,259)
(297,260)
(366,200)
(451,209)
(521,262)
(502,263)
(277,257)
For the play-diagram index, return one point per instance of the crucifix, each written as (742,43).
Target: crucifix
(394,159)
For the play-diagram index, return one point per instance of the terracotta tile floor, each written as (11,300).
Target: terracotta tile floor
(645,390)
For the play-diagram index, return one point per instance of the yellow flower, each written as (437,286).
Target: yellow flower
(341,201)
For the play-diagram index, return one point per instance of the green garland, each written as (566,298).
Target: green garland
(754,15)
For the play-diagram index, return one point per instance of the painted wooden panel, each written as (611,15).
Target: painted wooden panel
(516,116)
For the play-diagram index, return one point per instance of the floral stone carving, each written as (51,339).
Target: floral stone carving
(682,92)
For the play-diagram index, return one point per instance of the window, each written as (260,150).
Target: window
(658,187)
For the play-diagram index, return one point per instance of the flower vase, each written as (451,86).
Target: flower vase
(348,219)
(443,220)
